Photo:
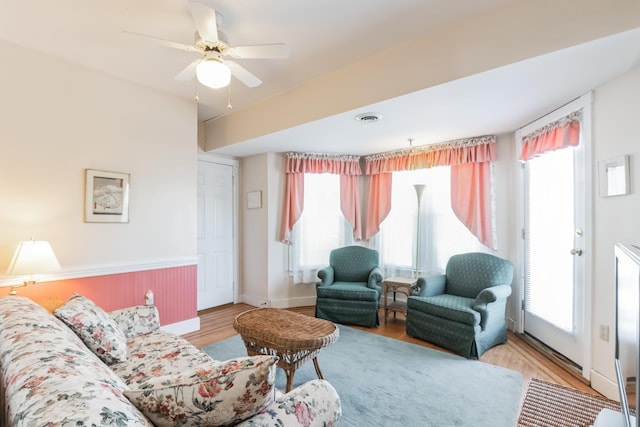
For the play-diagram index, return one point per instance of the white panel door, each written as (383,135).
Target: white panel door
(215,235)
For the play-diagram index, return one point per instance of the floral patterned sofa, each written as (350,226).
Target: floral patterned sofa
(85,367)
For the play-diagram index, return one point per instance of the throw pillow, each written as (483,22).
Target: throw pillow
(215,394)
(95,327)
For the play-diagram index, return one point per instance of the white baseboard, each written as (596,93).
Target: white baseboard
(604,385)
(254,301)
(278,303)
(293,302)
(183,327)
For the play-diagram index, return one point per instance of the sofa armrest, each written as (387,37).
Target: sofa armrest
(137,320)
(315,404)
(431,286)
(326,276)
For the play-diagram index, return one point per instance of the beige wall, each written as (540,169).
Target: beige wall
(254,230)
(615,133)
(56,120)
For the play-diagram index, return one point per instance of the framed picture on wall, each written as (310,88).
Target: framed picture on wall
(106,196)
(254,199)
(614,176)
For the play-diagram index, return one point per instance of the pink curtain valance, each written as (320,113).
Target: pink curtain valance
(323,163)
(348,167)
(562,133)
(471,182)
(473,150)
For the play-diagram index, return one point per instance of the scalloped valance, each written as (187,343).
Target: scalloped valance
(340,164)
(471,150)
(562,133)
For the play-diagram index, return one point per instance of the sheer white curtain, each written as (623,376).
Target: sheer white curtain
(321,228)
(441,233)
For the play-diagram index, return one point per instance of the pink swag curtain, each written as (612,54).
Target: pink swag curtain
(471,199)
(348,167)
(470,171)
(562,133)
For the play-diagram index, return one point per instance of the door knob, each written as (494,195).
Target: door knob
(576,251)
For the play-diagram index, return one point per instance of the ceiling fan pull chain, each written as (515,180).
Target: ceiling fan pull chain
(195,89)
(229,106)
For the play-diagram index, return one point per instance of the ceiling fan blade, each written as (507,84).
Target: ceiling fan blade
(189,72)
(243,75)
(276,50)
(205,20)
(167,43)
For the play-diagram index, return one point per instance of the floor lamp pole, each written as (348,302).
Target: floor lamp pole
(419,190)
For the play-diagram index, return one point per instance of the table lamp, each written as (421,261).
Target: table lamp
(31,258)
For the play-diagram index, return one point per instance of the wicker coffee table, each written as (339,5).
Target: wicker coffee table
(293,337)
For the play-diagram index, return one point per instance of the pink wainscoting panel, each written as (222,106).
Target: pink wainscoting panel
(174,289)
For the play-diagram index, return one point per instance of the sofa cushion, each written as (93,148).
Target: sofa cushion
(218,393)
(157,354)
(95,327)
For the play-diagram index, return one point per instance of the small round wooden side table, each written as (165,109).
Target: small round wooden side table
(293,337)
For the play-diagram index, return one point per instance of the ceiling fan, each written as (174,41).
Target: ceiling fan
(211,68)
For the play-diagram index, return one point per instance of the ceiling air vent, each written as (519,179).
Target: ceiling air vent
(368,117)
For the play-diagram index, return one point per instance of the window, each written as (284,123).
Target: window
(321,228)
(441,233)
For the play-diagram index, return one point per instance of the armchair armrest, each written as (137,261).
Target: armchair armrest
(492,294)
(375,279)
(137,320)
(326,276)
(430,286)
(487,303)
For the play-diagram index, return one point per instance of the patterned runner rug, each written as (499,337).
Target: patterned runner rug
(553,405)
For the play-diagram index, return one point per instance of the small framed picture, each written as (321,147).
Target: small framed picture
(614,176)
(254,199)
(106,196)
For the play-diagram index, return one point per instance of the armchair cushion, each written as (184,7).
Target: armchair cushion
(348,291)
(451,307)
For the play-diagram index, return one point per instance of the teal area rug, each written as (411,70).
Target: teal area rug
(386,382)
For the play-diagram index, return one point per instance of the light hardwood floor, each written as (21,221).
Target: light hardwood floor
(216,324)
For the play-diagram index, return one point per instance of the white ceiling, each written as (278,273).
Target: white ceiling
(322,36)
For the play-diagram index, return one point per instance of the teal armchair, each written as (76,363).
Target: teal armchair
(464,309)
(350,287)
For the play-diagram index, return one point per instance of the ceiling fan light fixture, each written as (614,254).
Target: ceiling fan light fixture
(213,73)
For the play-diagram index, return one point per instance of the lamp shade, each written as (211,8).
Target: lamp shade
(33,257)
(213,73)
